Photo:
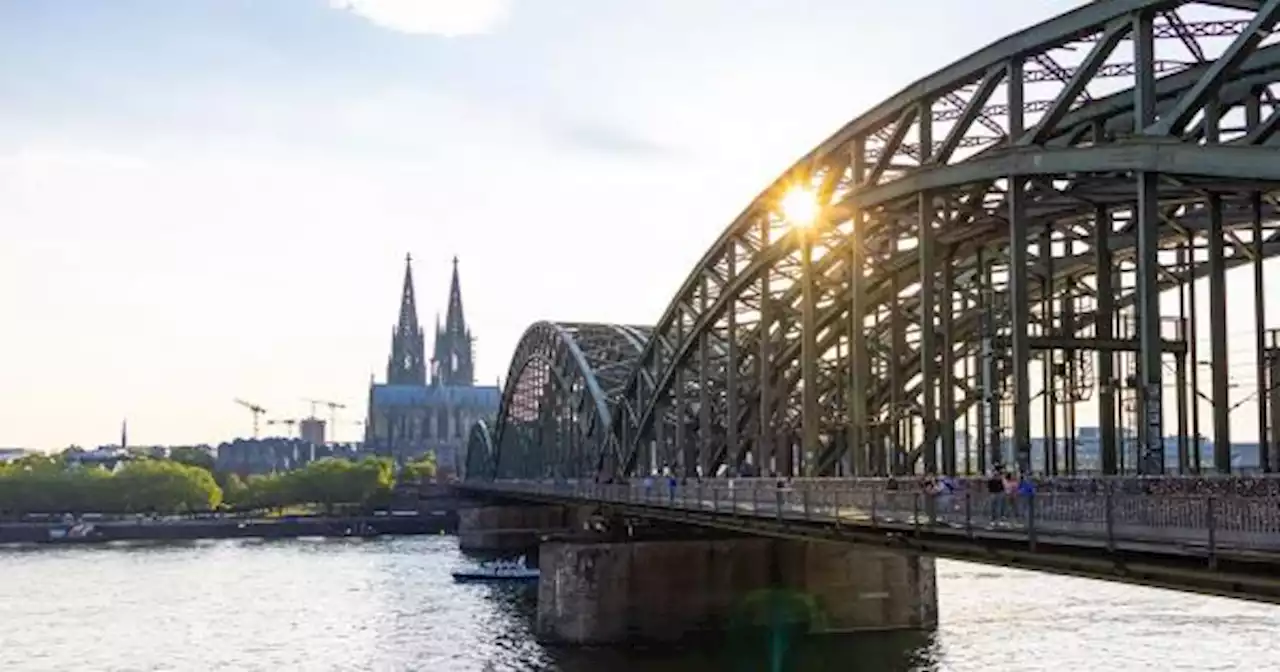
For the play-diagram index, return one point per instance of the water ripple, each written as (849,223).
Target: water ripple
(390,604)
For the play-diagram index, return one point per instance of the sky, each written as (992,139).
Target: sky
(203,200)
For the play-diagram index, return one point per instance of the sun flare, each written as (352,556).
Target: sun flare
(799,206)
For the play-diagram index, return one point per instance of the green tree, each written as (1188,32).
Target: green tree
(263,491)
(195,456)
(167,486)
(419,470)
(328,482)
(39,463)
(44,484)
(333,481)
(51,486)
(234,490)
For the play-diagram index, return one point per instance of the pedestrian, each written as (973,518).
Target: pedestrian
(995,495)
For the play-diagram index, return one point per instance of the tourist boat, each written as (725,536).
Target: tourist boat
(498,570)
(72,533)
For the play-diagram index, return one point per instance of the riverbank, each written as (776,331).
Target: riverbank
(444,522)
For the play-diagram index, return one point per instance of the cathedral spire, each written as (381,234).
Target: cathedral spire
(454,322)
(453,343)
(408,307)
(407,364)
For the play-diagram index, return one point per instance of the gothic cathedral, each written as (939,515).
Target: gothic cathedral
(424,409)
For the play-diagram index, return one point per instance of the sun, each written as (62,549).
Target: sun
(799,206)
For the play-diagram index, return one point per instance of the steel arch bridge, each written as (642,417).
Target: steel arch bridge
(1010,241)
(555,416)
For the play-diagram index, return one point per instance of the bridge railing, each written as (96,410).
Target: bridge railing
(1187,524)
(1260,485)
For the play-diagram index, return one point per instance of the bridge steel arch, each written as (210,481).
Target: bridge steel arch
(480,450)
(973,272)
(555,416)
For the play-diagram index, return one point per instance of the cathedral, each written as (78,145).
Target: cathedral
(428,406)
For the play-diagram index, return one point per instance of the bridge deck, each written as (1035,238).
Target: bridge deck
(1220,545)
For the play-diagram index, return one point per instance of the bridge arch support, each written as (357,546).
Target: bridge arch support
(554,420)
(988,252)
(480,449)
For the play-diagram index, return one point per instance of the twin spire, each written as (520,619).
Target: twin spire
(408,308)
(451,362)
(453,366)
(407,364)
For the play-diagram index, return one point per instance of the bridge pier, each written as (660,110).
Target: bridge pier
(617,592)
(508,527)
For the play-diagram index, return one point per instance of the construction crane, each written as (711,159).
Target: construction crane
(333,410)
(288,422)
(257,412)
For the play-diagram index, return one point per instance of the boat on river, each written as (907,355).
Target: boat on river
(498,570)
(75,532)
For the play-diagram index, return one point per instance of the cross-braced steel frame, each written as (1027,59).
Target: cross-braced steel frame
(555,415)
(1008,245)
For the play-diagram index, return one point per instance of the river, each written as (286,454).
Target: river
(390,604)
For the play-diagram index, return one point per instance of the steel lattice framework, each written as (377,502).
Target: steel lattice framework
(990,251)
(555,416)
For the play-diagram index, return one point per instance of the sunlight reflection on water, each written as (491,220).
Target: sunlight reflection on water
(390,604)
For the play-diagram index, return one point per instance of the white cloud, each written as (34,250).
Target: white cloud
(449,18)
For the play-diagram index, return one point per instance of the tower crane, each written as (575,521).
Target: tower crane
(288,422)
(333,410)
(257,412)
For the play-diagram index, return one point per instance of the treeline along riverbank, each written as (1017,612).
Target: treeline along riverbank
(53,498)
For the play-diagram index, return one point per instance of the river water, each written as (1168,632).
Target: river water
(390,604)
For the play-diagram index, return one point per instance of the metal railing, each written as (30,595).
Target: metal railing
(1186,524)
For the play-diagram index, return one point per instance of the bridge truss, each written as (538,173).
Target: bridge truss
(1009,243)
(555,418)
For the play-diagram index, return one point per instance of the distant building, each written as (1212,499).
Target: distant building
(264,456)
(13,454)
(414,413)
(311,430)
(107,457)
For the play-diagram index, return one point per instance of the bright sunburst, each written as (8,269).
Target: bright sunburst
(800,206)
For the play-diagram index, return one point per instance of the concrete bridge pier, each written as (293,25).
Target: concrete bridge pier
(618,592)
(510,528)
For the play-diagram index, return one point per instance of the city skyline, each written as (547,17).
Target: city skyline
(210,200)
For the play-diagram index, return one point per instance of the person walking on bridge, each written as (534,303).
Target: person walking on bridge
(931,489)
(1010,484)
(946,495)
(995,495)
(1026,492)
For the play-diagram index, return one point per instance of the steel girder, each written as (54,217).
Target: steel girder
(555,413)
(960,248)
(480,450)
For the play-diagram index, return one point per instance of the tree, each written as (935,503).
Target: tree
(264,492)
(196,456)
(42,484)
(328,481)
(419,470)
(167,486)
(159,486)
(234,490)
(333,481)
(39,463)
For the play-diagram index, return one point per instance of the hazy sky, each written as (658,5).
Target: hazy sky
(209,199)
